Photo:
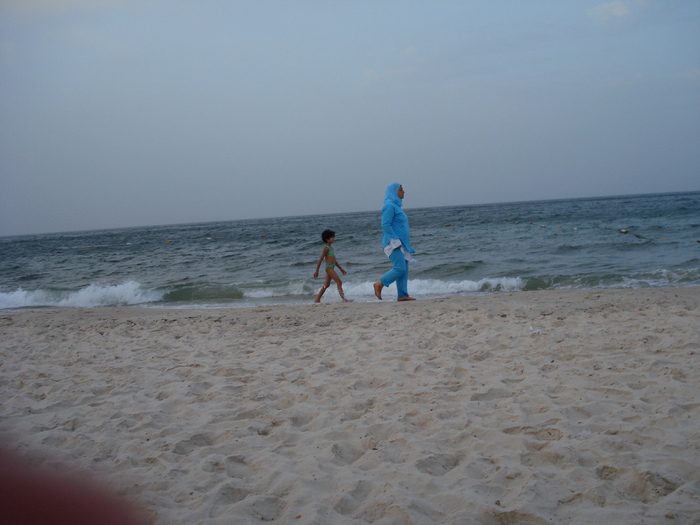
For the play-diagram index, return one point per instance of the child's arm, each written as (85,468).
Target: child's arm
(340,267)
(320,260)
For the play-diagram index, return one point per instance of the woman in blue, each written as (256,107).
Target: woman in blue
(396,239)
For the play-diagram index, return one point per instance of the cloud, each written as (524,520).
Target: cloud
(610,11)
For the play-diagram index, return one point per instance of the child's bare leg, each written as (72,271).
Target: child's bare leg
(342,295)
(323,288)
(320,294)
(339,284)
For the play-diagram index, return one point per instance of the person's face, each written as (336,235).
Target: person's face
(400,193)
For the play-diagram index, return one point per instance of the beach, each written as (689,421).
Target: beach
(542,407)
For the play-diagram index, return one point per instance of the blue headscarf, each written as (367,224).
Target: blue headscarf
(391,196)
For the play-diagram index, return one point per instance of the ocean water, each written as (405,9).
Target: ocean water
(461,250)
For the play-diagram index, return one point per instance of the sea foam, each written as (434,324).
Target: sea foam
(127,293)
(435,287)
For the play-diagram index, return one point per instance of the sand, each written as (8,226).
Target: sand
(549,407)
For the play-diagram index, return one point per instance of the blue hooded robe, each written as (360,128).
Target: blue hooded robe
(394,220)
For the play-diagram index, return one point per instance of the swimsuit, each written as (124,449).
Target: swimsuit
(330,253)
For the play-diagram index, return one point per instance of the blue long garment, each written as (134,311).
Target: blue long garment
(394,220)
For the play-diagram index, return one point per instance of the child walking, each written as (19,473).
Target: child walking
(328,236)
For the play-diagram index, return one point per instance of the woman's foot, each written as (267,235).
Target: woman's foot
(407,298)
(378,289)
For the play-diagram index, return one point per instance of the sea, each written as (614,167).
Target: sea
(635,241)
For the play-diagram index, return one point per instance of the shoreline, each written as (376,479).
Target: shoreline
(141,310)
(551,406)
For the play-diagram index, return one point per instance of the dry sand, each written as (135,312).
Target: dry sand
(550,407)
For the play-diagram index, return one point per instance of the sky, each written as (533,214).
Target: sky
(147,112)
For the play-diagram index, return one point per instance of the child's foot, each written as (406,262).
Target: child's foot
(347,300)
(407,298)
(378,289)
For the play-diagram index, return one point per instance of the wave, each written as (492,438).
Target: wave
(207,294)
(202,292)
(295,288)
(132,293)
(126,294)
(651,279)
(438,287)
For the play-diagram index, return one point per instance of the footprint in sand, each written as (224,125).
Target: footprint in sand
(437,465)
(493,393)
(196,441)
(351,501)
(511,518)
(262,507)
(645,487)
(344,453)
(227,495)
(236,467)
(540,434)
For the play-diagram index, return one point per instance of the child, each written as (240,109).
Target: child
(328,237)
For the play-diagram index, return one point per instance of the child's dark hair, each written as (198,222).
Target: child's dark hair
(327,234)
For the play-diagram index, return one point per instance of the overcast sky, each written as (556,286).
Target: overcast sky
(128,113)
